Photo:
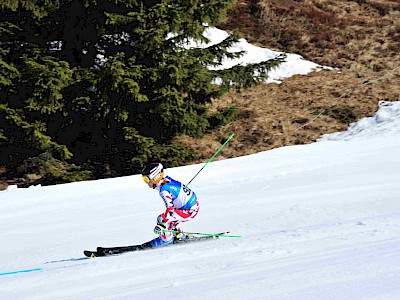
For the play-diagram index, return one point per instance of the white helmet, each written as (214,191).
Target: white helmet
(153,174)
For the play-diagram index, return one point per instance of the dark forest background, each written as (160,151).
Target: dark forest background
(95,89)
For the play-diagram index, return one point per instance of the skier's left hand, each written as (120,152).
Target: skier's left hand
(159,228)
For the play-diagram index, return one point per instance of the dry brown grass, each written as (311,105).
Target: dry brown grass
(360,37)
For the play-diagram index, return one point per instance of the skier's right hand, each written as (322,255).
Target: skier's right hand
(159,228)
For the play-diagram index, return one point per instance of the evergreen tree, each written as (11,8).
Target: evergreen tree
(110,83)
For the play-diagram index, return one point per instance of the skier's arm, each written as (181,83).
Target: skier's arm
(168,201)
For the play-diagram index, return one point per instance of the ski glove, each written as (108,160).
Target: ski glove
(159,228)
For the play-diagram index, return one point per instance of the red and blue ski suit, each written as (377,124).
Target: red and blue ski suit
(181,206)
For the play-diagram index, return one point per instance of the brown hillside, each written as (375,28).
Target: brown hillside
(361,38)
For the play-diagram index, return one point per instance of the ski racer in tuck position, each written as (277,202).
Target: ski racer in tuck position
(181,204)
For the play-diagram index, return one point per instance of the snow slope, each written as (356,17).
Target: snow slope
(318,221)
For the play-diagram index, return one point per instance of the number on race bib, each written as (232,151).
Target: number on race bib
(187,190)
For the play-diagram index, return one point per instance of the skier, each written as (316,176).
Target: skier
(181,204)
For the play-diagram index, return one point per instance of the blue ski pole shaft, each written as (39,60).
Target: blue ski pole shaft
(212,157)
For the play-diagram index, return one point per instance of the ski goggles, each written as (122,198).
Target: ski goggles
(146,179)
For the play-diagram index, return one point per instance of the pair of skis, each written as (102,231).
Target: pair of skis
(191,237)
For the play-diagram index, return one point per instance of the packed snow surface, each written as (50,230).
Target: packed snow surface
(318,221)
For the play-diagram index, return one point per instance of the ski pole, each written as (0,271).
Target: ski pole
(212,157)
(222,234)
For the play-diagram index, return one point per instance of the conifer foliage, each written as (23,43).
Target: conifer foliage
(107,84)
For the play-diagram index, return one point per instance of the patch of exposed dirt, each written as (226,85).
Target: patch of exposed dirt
(360,38)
